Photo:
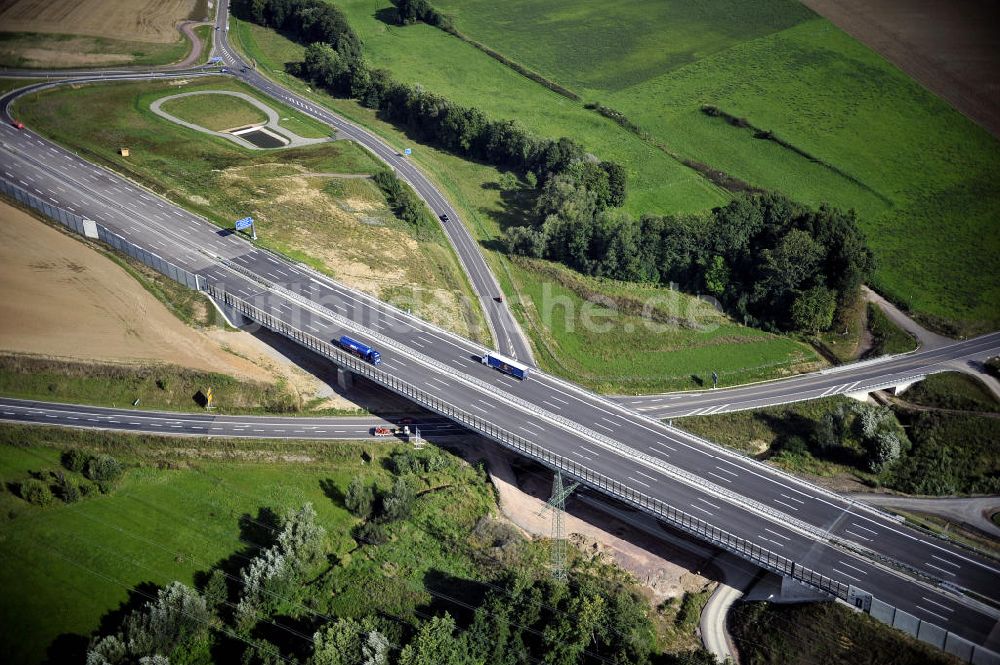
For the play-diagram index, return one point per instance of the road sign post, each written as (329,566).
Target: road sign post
(407,152)
(247,223)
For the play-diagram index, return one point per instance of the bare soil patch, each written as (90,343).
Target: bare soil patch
(948,47)
(59,297)
(152,21)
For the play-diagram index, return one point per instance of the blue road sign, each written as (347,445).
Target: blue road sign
(407,152)
(244,223)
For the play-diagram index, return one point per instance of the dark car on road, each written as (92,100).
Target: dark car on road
(444,218)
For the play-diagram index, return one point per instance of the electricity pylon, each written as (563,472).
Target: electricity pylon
(558,504)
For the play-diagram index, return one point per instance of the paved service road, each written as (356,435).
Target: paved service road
(749,500)
(210,424)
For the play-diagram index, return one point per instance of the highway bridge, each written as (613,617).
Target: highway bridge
(773,519)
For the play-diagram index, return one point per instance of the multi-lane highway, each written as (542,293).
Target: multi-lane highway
(749,500)
(845,379)
(780,513)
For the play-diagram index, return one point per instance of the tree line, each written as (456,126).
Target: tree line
(333,61)
(771,262)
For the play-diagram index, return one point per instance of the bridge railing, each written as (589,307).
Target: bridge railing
(673,516)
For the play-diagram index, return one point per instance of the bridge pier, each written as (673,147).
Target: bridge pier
(345,378)
(898,390)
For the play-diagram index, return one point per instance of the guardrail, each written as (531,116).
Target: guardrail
(677,518)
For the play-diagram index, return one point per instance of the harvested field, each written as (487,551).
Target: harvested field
(949,47)
(128,20)
(58,297)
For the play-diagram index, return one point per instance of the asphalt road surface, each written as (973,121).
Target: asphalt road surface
(212,424)
(780,513)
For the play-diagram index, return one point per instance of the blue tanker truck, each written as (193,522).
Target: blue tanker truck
(362,351)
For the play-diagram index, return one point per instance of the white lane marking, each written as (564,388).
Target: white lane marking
(840,572)
(723,478)
(477,408)
(857,535)
(581,455)
(635,480)
(562,401)
(605,427)
(592,452)
(946,572)
(770,540)
(792,498)
(844,563)
(934,613)
(709,503)
(646,475)
(934,602)
(776,534)
(660,450)
(785,504)
(608,420)
(945,561)
(554,406)
(864,528)
(697,507)
(731,473)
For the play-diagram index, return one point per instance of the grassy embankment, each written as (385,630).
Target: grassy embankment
(302,206)
(950,453)
(215,112)
(952,390)
(853,124)
(156,386)
(822,633)
(740,354)
(887,337)
(179,510)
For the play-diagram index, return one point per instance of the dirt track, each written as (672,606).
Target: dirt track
(948,46)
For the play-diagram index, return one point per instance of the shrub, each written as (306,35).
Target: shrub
(74,460)
(35,492)
(103,469)
(373,533)
(359,498)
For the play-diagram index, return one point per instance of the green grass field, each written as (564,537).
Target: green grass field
(952,390)
(785,70)
(420,54)
(642,340)
(215,112)
(175,512)
(738,354)
(303,204)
